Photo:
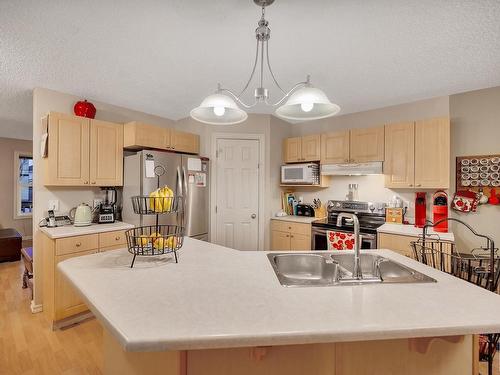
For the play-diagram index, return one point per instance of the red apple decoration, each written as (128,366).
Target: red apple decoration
(84,109)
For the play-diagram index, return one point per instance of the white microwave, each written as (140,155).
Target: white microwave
(300,174)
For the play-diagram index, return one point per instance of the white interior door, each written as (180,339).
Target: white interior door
(237,193)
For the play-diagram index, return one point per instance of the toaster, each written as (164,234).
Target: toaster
(305,210)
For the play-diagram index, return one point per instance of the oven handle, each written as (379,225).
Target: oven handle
(366,236)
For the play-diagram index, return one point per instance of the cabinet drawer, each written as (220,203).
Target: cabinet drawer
(76,244)
(112,238)
(288,226)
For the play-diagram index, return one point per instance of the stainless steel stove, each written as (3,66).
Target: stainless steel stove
(371,215)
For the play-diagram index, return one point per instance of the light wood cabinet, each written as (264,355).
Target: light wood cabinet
(68,156)
(302,149)
(399,166)
(138,136)
(60,301)
(432,153)
(418,154)
(82,152)
(184,142)
(395,242)
(106,153)
(367,145)
(311,147)
(290,236)
(335,147)
(292,150)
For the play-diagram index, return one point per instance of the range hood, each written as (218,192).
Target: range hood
(352,169)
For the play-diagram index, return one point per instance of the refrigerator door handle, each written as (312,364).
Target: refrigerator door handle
(179,182)
(184,176)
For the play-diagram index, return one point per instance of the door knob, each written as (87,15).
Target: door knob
(253,216)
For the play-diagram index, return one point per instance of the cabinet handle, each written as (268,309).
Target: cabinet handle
(289,227)
(346,160)
(291,236)
(410,185)
(419,184)
(117,238)
(93,182)
(86,182)
(78,244)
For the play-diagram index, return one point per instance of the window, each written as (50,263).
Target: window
(24,185)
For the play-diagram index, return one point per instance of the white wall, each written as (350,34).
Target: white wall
(371,188)
(475,119)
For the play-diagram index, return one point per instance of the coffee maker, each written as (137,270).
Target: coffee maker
(440,210)
(420,209)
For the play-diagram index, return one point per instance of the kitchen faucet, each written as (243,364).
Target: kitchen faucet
(356,273)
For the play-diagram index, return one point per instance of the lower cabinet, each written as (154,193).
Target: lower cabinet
(290,236)
(60,300)
(395,242)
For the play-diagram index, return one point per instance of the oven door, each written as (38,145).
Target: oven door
(319,242)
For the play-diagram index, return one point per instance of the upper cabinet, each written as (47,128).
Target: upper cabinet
(184,142)
(302,149)
(432,153)
(367,145)
(139,136)
(106,153)
(335,147)
(418,154)
(82,151)
(399,166)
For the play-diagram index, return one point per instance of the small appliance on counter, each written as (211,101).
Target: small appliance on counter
(305,210)
(440,210)
(394,215)
(107,208)
(420,209)
(81,215)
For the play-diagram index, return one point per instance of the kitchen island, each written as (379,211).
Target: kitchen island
(223,311)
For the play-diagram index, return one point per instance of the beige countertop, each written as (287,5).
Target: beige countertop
(297,219)
(217,297)
(71,231)
(412,231)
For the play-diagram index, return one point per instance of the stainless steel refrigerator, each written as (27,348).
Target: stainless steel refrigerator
(186,175)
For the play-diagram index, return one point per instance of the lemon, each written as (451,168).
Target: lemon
(171,242)
(159,243)
(143,240)
(155,204)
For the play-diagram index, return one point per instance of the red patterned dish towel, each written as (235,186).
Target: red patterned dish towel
(340,240)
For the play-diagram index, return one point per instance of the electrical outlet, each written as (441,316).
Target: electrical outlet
(53,205)
(97,202)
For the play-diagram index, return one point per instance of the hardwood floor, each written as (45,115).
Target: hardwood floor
(27,343)
(29,346)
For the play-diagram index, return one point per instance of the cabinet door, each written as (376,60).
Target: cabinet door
(106,153)
(399,165)
(184,142)
(67,301)
(399,244)
(292,150)
(311,148)
(432,153)
(68,150)
(300,242)
(139,136)
(367,145)
(280,240)
(335,147)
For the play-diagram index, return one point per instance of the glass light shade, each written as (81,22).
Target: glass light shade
(298,106)
(219,109)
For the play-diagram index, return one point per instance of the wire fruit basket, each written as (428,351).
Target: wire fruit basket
(158,239)
(481,267)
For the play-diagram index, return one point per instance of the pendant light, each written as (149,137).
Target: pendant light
(303,101)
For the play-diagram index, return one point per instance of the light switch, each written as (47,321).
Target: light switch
(53,205)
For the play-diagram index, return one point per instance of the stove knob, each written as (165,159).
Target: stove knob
(338,205)
(371,207)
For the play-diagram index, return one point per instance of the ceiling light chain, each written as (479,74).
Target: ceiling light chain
(221,109)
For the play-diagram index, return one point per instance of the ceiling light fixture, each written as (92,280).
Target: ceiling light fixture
(303,101)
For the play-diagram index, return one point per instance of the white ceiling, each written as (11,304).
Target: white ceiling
(164,56)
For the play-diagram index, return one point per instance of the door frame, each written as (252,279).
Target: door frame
(213,180)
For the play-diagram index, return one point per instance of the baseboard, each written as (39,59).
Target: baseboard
(36,308)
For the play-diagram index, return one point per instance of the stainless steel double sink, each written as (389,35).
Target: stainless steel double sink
(313,269)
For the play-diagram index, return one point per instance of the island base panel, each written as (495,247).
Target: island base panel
(430,356)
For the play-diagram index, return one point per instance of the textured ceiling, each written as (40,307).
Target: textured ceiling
(164,56)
